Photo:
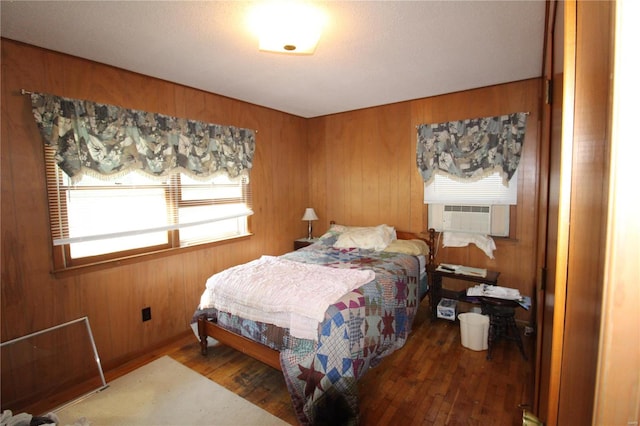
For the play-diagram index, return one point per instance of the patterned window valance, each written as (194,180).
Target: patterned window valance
(109,141)
(472,149)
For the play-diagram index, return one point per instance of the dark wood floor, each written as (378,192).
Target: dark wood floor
(432,380)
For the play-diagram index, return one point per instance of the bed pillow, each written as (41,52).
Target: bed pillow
(331,236)
(386,229)
(369,238)
(413,247)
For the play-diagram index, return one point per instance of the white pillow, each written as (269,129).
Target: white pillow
(370,238)
(339,229)
(414,247)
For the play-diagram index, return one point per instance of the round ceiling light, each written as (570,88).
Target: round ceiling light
(287,27)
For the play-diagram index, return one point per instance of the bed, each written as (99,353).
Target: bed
(324,353)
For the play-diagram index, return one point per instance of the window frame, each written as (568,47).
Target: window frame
(62,261)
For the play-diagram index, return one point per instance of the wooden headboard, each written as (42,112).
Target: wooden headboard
(431,241)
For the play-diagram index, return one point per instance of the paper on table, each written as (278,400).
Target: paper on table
(494,291)
(460,269)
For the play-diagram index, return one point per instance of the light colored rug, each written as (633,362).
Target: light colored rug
(165,392)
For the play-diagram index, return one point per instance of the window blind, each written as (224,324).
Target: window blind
(94,217)
(486,191)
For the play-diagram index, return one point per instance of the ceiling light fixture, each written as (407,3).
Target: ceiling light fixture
(287,27)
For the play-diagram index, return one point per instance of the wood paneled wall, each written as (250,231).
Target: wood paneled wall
(32,299)
(356,168)
(363,171)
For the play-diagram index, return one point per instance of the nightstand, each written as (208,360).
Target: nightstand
(437,292)
(303,242)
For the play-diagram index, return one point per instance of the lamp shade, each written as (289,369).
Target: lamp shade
(310,214)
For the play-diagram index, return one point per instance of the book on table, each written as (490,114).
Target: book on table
(462,270)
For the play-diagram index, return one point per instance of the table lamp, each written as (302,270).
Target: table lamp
(310,215)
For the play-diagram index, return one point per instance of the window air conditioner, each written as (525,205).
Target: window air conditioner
(486,220)
(464,218)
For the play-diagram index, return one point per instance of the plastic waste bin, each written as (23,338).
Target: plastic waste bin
(474,331)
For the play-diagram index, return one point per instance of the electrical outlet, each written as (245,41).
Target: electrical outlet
(146,314)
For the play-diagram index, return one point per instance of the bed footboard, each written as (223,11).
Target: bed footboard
(207,328)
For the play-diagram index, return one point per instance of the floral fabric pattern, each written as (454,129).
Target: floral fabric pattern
(472,149)
(109,141)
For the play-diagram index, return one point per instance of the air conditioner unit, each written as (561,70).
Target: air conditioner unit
(462,218)
(498,217)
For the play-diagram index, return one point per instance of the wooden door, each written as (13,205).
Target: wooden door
(546,392)
(577,216)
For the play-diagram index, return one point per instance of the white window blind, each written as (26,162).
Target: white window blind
(487,191)
(135,212)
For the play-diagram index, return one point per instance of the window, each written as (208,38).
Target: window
(481,206)
(95,220)
(476,153)
(129,191)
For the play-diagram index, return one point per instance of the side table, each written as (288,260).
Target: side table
(303,242)
(436,292)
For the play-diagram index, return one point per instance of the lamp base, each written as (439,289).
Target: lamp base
(310,228)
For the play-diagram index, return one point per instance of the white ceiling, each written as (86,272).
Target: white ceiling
(371,53)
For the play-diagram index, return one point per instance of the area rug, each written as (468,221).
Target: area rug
(164,392)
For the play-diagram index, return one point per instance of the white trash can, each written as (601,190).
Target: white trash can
(474,331)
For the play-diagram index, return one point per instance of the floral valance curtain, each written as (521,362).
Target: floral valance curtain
(472,149)
(109,141)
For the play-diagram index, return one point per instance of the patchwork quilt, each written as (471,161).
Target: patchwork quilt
(358,331)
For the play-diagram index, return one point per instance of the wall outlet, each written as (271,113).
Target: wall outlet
(146,314)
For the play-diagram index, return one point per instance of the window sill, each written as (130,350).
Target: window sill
(144,257)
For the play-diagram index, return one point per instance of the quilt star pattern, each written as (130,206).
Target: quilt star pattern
(358,331)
